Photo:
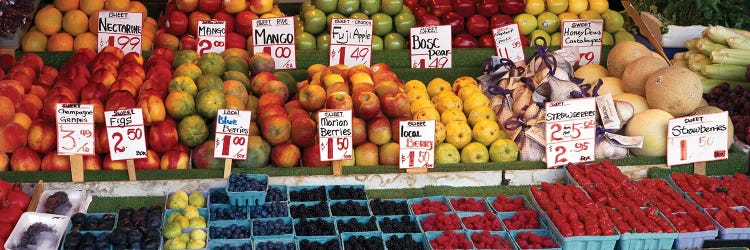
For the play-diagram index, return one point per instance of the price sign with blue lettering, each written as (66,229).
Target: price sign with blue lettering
(126,134)
(508,42)
(211,36)
(431,47)
(232,132)
(570,131)
(586,35)
(351,42)
(335,135)
(697,138)
(75,129)
(123,30)
(417,144)
(275,36)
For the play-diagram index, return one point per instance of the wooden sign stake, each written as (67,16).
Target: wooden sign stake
(699,168)
(227,168)
(76,168)
(131,170)
(338,169)
(633,13)
(38,190)
(417,170)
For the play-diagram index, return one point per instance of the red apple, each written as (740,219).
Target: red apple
(311,157)
(419,11)
(359,131)
(54,162)
(396,129)
(499,20)
(429,20)
(379,130)
(395,103)
(297,113)
(487,41)
(268,99)
(455,20)
(176,23)
(380,67)
(285,155)
(339,100)
(304,132)
(477,25)
(187,5)
(440,7)
(366,105)
(464,8)
(512,7)
(411,3)
(227,18)
(487,8)
(271,110)
(209,6)
(465,41)
(151,162)
(362,87)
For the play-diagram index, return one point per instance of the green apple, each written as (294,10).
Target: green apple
(406,9)
(359,15)
(394,41)
(315,21)
(548,22)
(197,199)
(613,21)
(377,43)
(446,153)
(323,41)
(474,152)
(369,7)
(539,33)
(622,36)
(503,150)
(327,6)
(607,39)
(391,7)
(334,15)
(306,41)
(382,24)
(404,22)
(526,23)
(347,7)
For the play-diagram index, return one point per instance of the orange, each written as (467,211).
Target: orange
(91,6)
(94,23)
(48,20)
(66,5)
(85,40)
(75,22)
(34,41)
(117,5)
(136,6)
(60,42)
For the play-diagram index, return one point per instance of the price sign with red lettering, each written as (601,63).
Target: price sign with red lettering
(275,36)
(351,42)
(335,135)
(508,42)
(587,36)
(417,144)
(75,129)
(211,36)
(123,30)
(570,131)
(126,135)
(232,131)
(431,47)
(697,138)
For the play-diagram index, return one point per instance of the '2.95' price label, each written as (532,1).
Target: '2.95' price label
(125,133)
(275,36)
(417,144)
(232,131)
(351,42)
(335,135)
(211,36)
(75,129)
(431,47)
(587,36)
(123,30)
(570,131)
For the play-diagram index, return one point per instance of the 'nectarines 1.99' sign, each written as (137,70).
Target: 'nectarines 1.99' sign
(335,135)
(417,144)
(211,36)
(120,29)
(431,47)
(125,134)
(351,42)
(697,138)
(508,42)
(75,129)
(570,131)
(232,131)
(275,36)
(587,36)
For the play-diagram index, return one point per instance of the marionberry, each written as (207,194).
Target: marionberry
(314,227)
(407,242)
(347,193)
(320,209)
(308,194)
(402,225)
(352,225)
(388,207)
(349,208)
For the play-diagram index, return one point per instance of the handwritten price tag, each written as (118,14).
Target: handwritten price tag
(570,131)
(275,36)
(75,129)
(431,47)
(508,42)
(697,138)
(335,135)
(232,131)
(417,144)
(211,36)
(120,29)
(351,42)
(126,134)
(587,36)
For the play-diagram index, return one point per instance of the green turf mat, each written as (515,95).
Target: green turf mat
(113,204)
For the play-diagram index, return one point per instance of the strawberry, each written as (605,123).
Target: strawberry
(468,205)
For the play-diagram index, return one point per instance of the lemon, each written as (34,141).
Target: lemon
(534,7)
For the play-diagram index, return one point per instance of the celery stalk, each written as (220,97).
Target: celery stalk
(739,43)
(709,84)
(731,56)
(744,33)
(725,72)
(697,65)
(705,46)
(719,34)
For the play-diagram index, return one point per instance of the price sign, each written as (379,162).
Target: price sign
(351,42)
(126,135)
(587,36)
(75,129)
(232,131)
(570,131)
(211,36)
(120,29)
(508,42)
(275,36)
(335,135)
(417,144)
(431,47)
(697,138)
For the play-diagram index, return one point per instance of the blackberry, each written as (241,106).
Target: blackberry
(362,242)
(320,209)
(349,208)
(308,194)
(352,225)
(381,207)
(407,242)
(347,193)
(401,225)
(314,227)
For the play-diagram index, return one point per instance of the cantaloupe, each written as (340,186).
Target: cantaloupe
(610,85)
(652,124)
(711,110)
(623,53)
(637,72)
(590,73)
(639,102)
(675,89)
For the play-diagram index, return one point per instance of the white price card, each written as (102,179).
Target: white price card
(75,129)
(570,131)
(587,36)
(232,132)
(697,138)
(126,135)
(417,144)
(123,30)
(508,42)
(211,36)
(351,42)
(335,135)
(431,47)
(275,36)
